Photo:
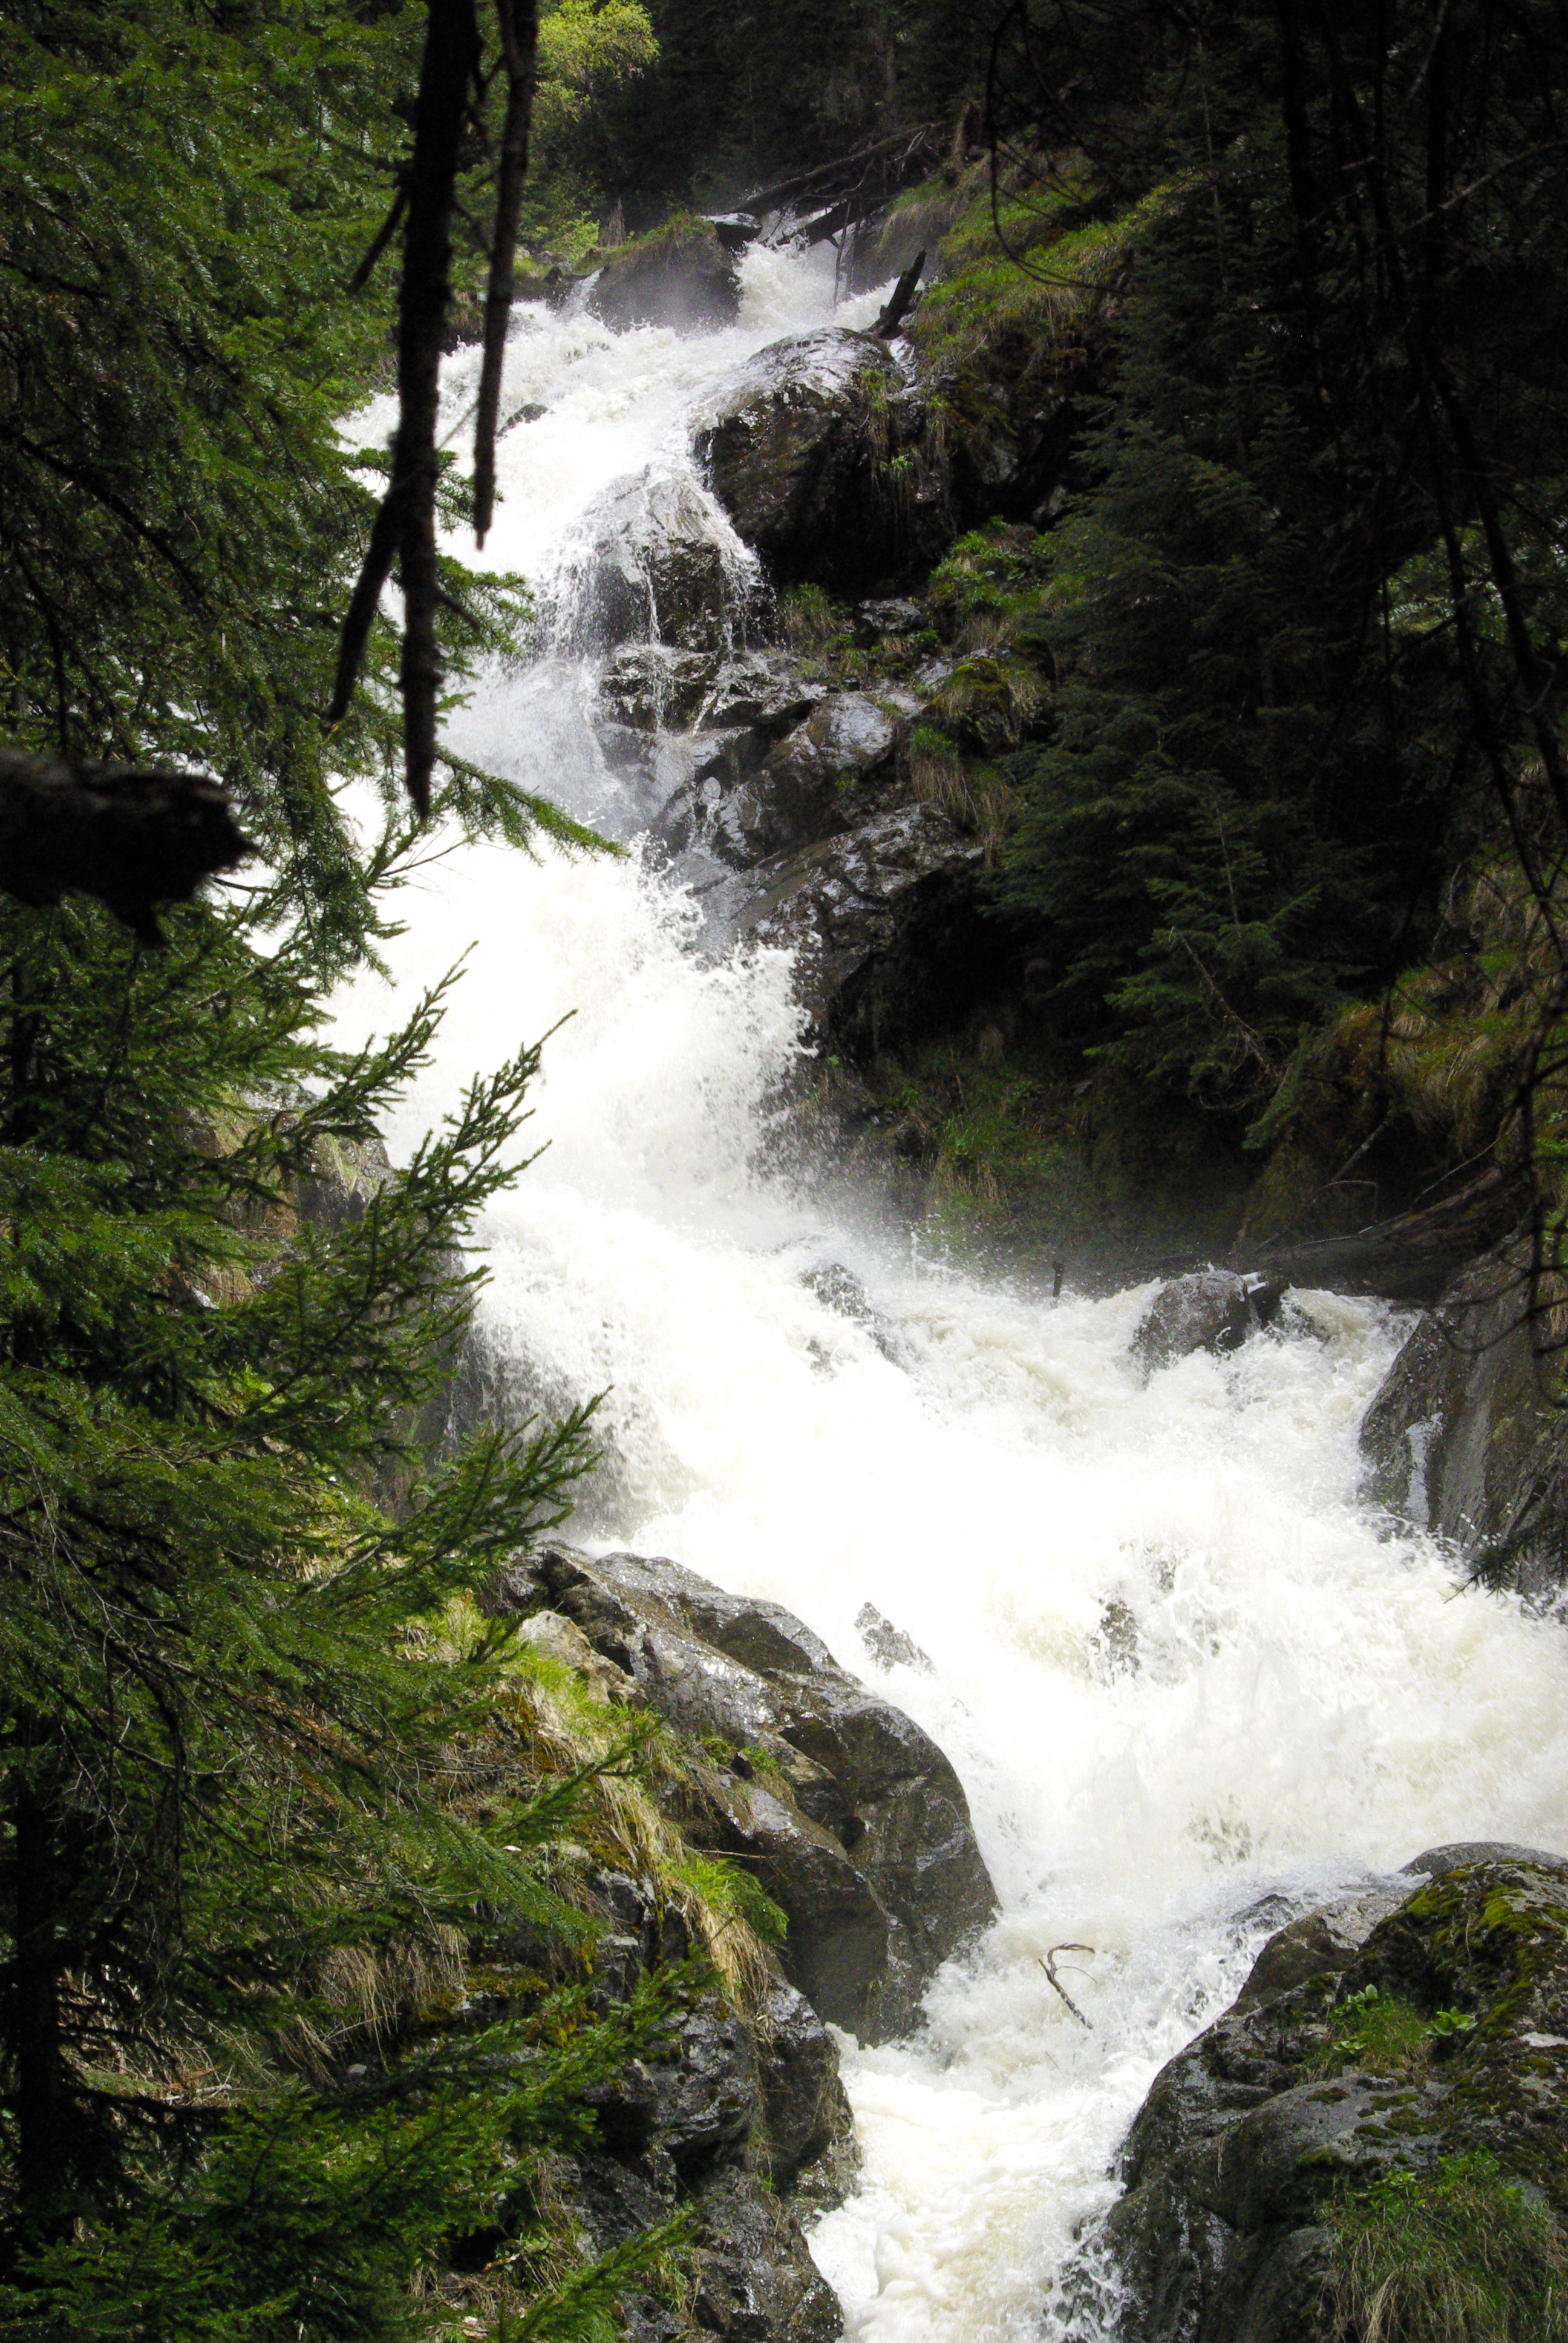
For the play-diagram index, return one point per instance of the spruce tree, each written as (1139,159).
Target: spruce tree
(255,1746)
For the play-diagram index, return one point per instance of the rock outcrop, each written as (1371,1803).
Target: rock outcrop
(1463,1438)
(682,275)
(651,564)
(846,1811)
(1210,1309)
(743,2120)
(798,449)
(870,912)
(752,802)
(1295,2102)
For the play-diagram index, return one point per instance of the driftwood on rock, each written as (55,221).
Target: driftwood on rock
(899,300)
(1411,1257)
(133,835)
(833,196)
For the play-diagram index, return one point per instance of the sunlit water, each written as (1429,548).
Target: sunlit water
(1285,1698)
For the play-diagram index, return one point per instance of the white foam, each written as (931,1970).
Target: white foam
(1313,1700)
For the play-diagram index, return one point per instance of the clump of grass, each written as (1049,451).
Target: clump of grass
(1382,2034)
(1460,2255)
(973,795)
(809,618)
(992,699)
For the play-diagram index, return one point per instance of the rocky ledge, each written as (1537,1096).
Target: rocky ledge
(854,1823)
(1413,2038)
(847,1814)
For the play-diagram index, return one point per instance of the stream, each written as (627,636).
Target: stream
(1190,1686)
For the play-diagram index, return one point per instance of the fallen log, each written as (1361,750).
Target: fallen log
(1410,1258)
(822,202)
(133,835)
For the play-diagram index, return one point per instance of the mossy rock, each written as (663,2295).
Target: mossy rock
(1415,2081)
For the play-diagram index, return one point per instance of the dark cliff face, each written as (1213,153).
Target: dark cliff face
(1465,1435)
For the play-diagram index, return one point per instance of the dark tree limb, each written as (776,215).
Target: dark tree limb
(382,239)
(1410,1258)
(405,526)
(135,837)
(520,21)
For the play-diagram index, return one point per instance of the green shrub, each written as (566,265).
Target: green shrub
(1384,2035)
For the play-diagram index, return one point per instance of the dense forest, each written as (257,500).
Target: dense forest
(1256,705)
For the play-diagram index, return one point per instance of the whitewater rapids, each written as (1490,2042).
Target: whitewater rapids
(1178,1669)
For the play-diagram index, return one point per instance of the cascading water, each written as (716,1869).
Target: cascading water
(1181,1675)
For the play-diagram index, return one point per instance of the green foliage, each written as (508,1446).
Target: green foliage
(1310,564)
(267,1792)
(730,1890)
(187,197)
(1386,2035)
(587,48)
(1459,2255)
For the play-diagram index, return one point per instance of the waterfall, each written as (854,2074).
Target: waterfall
(1190,1686)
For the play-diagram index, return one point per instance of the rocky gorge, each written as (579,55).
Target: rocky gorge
(1147,1631)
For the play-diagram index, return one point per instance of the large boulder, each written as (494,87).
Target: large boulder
(849,1814)
(653,559)
(803,449)
(1463,1436)
(682,275)
(1294,2103)
(1210,1309)
(817,782)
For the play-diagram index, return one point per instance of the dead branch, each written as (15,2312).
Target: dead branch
(519,22)
(405,525)
(1048,1965)
(902,294)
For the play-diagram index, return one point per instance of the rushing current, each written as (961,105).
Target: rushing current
(1182,1673)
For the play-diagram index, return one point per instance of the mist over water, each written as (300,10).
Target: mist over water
(1177,1668)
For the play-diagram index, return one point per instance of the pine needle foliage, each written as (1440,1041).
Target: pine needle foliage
(255,1797)
(185,197)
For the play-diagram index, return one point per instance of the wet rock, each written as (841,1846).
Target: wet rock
(683,276)
(890,1645)
(628,2110)
(753,2278)
(860,909)
(796,448)
(651,687)
(1435,1860)
(812,785)
(843,1949)
(1213,1310)
(838,1288)
(806,2111)
(1251,2129)
(708,2093)
(561,1639)
(764,688)
(858,1827)
(735,230)
(876,621)
(1463,1436)
(651,562)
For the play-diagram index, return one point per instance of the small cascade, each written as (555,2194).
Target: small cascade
(1190,1684)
